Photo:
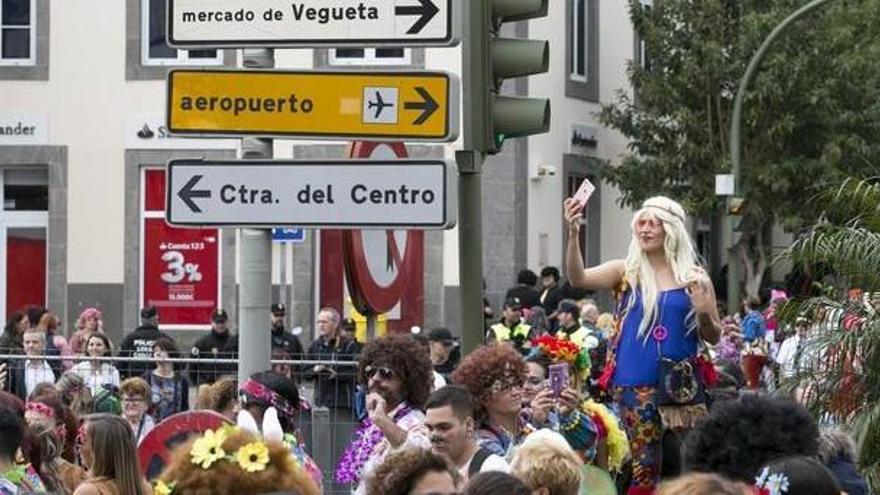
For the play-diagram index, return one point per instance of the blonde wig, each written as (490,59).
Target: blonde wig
(546,460)
(679,251)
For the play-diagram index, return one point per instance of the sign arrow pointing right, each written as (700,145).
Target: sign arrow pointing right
(428,106)
(187,193)
(427,10)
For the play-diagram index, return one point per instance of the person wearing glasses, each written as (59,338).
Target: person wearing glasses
(537,394)
(397,373)
(136,395)
(495,376)
(666,311)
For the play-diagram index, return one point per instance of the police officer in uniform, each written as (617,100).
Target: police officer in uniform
(219,344)
(512,328)
(140,343)
(282,339)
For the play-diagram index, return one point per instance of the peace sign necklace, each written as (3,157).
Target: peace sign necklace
(660,332)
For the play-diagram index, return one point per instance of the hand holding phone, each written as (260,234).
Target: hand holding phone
(582,195)
(558,375)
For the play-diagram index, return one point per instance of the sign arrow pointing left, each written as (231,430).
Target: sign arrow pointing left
(187,193)
(427,10)
(428,105)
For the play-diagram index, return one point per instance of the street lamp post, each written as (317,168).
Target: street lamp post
(733,288)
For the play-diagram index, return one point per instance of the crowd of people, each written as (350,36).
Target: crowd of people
(660,394)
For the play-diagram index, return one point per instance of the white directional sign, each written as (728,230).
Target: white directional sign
(310,23)
(364,194)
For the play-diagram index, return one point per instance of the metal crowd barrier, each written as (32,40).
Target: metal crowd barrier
(325,431)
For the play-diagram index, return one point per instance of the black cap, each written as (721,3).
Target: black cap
(148,312)
(569,307)
(219,316)
(513,303)
(440,335)
(278,309)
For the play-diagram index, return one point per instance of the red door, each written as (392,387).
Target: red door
(25,267)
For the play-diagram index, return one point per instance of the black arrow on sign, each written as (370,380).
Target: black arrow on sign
(427,10)
(187,193)
(428,106)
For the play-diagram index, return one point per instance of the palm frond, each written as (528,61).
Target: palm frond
(842,378)
(853,200)
(852,253)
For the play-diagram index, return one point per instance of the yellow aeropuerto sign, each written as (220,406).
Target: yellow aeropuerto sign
(386,105)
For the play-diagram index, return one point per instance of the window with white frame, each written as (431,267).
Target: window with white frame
(18,36)
(154,46)
(582,50)
(579,48)
(370,56)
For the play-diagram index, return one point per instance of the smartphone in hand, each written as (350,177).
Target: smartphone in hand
(582,195)
(558,376)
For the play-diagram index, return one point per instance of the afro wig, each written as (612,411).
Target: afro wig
(741,436)
(483,367)
(409,360)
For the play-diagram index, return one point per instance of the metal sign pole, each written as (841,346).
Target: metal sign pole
(255,261)
(371,327)
(470,161)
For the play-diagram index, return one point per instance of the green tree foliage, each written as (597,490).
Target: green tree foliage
(811,117)
(843,378)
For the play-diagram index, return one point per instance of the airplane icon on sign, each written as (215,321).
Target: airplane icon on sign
(379,104)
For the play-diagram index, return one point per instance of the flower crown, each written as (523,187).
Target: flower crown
(208,450)
(564,351)
(40,408)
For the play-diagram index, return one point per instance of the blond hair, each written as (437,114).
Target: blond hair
(679,252)
(702,484)
(605,322)
(36,331)
(545,460)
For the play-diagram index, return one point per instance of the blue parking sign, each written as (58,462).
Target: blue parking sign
(295,236)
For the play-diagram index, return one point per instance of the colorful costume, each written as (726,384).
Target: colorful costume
(592,423)
(21,479)
(370,447)
(632,374)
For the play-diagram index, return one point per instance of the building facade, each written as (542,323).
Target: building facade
(83,146)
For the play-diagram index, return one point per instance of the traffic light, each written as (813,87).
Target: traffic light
(736,206)
(489,59)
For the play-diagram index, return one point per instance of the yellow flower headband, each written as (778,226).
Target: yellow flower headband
(208,449)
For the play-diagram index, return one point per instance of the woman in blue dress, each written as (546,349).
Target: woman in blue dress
(666,305)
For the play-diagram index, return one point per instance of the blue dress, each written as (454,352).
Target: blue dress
(638,359)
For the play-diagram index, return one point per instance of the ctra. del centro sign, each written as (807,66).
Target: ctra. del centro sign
(402,194)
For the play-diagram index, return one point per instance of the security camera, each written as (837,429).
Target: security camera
(546,170)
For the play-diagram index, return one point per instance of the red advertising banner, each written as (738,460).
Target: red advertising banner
(181,269)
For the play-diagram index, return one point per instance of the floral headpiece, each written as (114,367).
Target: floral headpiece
(40,408)
(563,351)
(771,484)
(255,391)
(208,450)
